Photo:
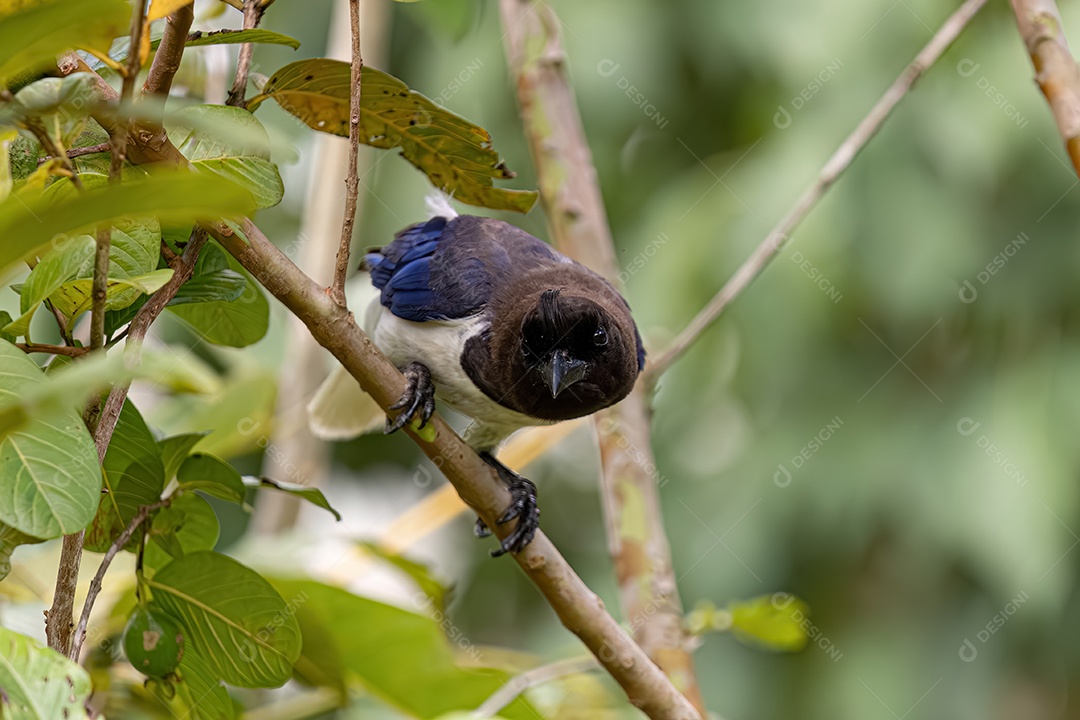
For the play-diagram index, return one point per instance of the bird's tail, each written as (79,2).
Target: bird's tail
(340,410)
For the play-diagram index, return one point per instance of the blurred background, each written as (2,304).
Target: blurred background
(884,424)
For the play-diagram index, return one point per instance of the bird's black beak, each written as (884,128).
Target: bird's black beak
(560,371)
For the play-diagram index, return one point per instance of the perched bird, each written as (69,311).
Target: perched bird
(499,326)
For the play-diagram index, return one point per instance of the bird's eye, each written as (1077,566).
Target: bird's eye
(599,337)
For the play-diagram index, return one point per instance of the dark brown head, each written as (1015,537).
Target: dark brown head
(561,353)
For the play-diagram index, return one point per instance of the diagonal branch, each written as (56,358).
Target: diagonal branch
(341,267)
(572,201)
(837,164)
(1055,69)
(579,609)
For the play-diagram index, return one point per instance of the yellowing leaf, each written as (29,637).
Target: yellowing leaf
(776,621)
(455,154)
(161,8)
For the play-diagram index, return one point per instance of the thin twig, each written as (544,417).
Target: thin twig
(531,678)
(1055,69)
(79,152)
(573,204)
(578,607)
(828,175)
(137,330)
(95,584)
(66,350)
(341,267)
(253,11)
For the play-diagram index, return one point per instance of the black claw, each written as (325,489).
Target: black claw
(480,529)
(522,506)
(418,396)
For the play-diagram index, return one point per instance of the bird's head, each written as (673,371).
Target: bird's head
(578,354)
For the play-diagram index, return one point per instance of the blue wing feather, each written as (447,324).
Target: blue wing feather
(441,270)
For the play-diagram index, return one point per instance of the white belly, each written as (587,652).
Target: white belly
(438,345)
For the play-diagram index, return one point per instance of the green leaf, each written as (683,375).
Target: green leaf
(39,683)
(134,476)
(231,616)
(311,494)
(72,259)
(30,221)
(187,525)
(49,465)
(218,286)
(235,324)
(455,154)
(174,450)
(56,104)
(10,538)
(375,641)
(212,475)
(75,296)
(253,35)
(72,383)
(34,34)
(774,621)
(229,142)
(195,693)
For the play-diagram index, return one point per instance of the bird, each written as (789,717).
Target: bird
(496,324)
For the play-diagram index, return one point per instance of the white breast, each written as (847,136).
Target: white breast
(438,345)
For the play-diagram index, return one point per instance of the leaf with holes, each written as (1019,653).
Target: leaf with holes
(455,154)
(134,476)
(39,683)
(49,465)
(232,617)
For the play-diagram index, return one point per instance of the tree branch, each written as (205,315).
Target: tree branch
(95,584)
(531,678)
(837,164)
(573,203)
(579,609)
(341,267)
(66,350)
(1056,71)
(253,12)
(170,52)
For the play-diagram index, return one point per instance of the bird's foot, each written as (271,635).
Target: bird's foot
(417,400)
(522,506)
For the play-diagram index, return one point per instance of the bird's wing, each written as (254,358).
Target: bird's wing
(448,269)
